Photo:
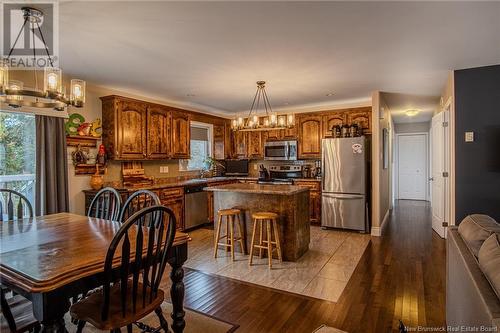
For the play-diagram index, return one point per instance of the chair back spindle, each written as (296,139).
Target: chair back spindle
(137,201)
(142,261)
(106,204)
(16,204)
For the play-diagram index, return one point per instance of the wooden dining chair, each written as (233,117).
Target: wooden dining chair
(17,311)
(106,204)
(137,201)
(17,314)
(131,291)
(14,205)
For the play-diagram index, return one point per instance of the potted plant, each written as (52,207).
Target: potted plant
(213,166)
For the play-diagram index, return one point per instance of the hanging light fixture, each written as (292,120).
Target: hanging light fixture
(269,120)
(53,95)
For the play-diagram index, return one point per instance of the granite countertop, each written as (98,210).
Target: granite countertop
(175,182)
(258,189)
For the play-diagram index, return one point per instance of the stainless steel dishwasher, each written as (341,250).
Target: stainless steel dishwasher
(196,206)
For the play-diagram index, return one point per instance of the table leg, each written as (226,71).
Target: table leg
(49,310)
(54,326)
(177,288)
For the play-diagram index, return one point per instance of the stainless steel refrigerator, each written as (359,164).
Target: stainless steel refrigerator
(343,198)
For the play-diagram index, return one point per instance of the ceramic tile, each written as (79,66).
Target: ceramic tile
(322,272)
(336,272)
(323,288)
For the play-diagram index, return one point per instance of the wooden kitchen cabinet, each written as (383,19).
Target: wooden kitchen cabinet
(361,117)
(255,145)
(219,136)
(333,119)
(314,198)
(240,144)
(309,136)
(181,135)
(173,198)
(158,133)
(282,134)
(124,128)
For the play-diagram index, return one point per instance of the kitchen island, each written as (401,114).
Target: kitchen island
(290,202)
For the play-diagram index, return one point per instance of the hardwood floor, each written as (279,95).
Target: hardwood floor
(400,276)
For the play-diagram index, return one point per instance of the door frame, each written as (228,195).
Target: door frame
(396,164)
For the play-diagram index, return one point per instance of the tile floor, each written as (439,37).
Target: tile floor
(323,272)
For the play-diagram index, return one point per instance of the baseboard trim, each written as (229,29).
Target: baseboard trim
(378,231)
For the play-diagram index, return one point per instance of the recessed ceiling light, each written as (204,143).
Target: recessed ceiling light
(412,112)
(329,94)
(190,95)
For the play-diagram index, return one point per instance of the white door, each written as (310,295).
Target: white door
(439,183)
(412,166)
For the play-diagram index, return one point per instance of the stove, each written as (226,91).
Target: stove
(282,174)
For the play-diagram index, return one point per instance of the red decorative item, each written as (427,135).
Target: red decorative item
(101,155)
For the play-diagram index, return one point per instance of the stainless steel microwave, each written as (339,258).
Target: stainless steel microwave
(280,150)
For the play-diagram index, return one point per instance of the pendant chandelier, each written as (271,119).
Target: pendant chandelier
(268,120)
(15,94)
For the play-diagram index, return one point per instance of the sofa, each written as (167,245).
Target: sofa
(472,275)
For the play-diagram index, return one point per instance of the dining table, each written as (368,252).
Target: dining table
(54,258)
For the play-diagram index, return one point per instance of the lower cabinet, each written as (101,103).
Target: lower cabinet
(314,199)
(173,198)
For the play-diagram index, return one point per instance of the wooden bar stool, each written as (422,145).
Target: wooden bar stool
(270,221)
(231,215)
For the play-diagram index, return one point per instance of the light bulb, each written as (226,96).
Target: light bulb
(52,80)
(240,122)
(77,96)
(281,121)
(273,119)
(290,121)
(266,122)
(255,120)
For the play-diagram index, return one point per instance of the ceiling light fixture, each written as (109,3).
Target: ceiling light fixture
(269,120)
(412,112)
(53,95)
(329,95)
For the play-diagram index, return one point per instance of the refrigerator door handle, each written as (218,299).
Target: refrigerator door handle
(343,196)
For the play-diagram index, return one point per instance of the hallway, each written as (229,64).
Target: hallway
(401,275)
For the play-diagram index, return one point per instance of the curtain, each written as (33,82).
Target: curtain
(51,189)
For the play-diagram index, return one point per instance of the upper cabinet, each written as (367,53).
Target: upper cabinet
(124,128)
(309,138)
(362,117)
(333,119)
(255,145)
(158,131)
(137,130)
(181,132)
(239,144)
(282,134)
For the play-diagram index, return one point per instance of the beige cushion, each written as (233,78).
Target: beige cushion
(475,229)
(489,261)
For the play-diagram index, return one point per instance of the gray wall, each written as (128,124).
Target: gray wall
(477,164)
(412,127)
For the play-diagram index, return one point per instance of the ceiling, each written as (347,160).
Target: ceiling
(398,104)
(208,55)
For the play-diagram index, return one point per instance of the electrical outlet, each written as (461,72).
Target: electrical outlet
(469,136)
(165,169)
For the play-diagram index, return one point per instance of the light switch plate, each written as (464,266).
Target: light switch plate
(255,166)
(469,136)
